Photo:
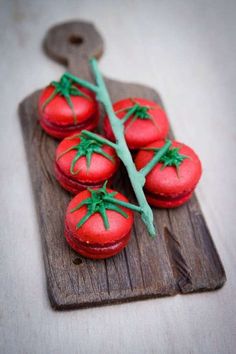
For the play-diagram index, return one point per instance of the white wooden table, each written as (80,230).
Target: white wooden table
(186,50)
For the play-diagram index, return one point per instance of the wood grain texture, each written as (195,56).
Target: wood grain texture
(182,259)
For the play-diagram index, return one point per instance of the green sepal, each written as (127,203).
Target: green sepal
(136,111)
(84,202)
(104,216)
(110,206)
(97,203)
(86,147)
(84,219)
(65,88)
(172,157)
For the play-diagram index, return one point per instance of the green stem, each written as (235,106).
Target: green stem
(98,138)
(82,82)
(124,204)
(129,113)
(137,179)
(65,152)
(50,98)
(145,170)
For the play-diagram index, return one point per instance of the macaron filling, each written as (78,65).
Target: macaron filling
(74,186)
(95,250)
(69,127)
(168,203)
(174,197)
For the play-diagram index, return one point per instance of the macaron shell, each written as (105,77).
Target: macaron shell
(167,181)
(171,203)
(58,111)
(142,131)
(96,252)
(93,230)
(53,130)
(71,185)
(101,168)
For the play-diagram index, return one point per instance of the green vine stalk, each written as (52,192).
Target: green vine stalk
(137,178)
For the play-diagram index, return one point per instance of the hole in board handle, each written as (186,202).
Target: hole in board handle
(76,40)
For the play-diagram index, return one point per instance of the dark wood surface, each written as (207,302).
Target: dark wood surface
(182,259)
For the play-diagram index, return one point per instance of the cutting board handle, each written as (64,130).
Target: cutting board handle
(72,44)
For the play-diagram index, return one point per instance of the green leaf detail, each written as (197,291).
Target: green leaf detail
(65,88)
(171,158)
(110,206)
(86,147)
(137,111)
(84,219)
(97,203)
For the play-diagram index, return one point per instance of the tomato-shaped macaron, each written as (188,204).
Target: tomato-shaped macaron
(144,122)
(98,223)
(66,108)
(173,179)
(81,161)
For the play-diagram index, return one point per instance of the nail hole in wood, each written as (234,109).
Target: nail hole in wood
(76,40)
(77,261)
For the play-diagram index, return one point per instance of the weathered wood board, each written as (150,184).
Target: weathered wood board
(182,259)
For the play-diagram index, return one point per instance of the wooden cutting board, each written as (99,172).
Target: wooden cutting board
(182,259)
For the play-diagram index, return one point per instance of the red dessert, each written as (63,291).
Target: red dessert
(82,162)
(97,224)
(66,108)
(144,121)
(173,179)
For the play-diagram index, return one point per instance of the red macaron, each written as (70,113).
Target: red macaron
(173,179)
(144,122)
(66,108)
(96,225)
(82,162)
